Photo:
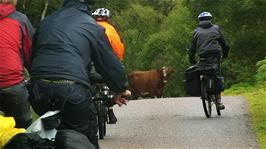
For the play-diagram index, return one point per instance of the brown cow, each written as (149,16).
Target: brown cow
(152,82)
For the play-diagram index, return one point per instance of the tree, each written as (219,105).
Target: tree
(136,28)
(36,10)
(168,47)
(45,9)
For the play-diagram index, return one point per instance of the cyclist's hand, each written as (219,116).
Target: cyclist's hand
(120,98)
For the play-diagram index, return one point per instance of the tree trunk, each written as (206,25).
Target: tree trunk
(45,9)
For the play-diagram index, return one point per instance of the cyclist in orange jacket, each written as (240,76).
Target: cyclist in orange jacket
(101,16)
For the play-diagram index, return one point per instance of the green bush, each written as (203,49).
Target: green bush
(261,72)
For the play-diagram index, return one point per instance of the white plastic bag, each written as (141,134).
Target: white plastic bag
(37,127)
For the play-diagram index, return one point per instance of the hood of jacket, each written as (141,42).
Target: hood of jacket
(6,10)
(82,6)
(205,23)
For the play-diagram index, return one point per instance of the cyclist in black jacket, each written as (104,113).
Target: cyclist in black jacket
(211,45)
(64,46)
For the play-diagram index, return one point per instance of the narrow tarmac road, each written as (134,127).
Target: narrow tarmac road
(180,123)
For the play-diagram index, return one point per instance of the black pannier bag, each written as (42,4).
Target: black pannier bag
(192,81)
(215,84)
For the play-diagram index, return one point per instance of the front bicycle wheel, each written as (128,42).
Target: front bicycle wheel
(101,121)
(207,106)
(104,116)
(217,108)
(206,100)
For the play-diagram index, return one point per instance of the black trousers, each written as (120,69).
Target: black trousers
(14,102)
(73,100)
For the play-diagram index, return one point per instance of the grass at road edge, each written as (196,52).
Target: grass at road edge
(256,97)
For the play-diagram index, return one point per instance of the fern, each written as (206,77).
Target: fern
(261,72)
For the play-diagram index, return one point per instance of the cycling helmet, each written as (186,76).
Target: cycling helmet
(204,16)
(101,13)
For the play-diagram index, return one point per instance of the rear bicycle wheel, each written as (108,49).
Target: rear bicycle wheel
(206,99)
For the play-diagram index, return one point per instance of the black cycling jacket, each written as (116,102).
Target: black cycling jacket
(208,39)
(65,44)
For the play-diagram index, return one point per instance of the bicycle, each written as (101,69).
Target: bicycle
(202,80)
(102,98)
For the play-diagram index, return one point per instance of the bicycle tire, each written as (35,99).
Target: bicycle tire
(206,101)
(207,106)
(101,122)
(217,109)
(104,118)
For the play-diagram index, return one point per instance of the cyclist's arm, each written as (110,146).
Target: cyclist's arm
(27,34)
(192,49)
(107,64)
(224,45)
(116,41)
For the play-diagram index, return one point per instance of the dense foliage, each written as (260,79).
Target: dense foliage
(261,72)
(158,33)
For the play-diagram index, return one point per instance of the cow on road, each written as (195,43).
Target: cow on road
(151,83)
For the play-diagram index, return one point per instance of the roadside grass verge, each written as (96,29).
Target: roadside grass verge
(256,97)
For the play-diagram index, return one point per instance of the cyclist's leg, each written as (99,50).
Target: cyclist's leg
(40,93)
(220,105)
(16,105)
(79,113)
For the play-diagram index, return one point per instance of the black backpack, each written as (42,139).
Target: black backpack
(29,141)
(71,139)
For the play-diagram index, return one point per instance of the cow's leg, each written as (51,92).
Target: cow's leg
(134,96)
(159,93)
(152,94)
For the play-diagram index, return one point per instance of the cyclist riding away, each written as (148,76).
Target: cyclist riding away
(64,46)
(211,45)
(102,15)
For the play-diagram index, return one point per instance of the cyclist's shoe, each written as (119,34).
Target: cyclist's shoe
(220,106)
(111,116)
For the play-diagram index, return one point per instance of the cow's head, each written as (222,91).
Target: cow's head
(165,73)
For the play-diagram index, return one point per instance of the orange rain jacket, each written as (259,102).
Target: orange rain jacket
(114,39)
